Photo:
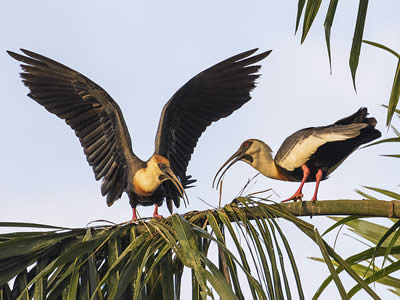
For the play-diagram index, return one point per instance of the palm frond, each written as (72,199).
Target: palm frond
(386,246)
(395,93)
(146,260)
(368,272)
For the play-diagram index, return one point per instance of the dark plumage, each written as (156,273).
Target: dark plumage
(99,124)
(310,154)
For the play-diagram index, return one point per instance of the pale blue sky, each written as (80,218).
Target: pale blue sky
(141,52)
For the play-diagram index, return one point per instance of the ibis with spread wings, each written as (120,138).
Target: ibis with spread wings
(99,124)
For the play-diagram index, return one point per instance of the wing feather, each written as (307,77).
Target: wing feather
(209,96)
(297,149)
(94,116)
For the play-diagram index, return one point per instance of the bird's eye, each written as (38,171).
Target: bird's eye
(246,144)
(162,166)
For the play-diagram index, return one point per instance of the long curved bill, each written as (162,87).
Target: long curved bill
(238,155)
(171,176)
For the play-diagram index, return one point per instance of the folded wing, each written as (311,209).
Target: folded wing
(296,150)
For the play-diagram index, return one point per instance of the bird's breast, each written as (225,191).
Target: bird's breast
(145,182)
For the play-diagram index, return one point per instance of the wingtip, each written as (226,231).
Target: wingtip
(241,56)
(363,111)
(36,57)
(12,54)
(266,53)
(28,52)
(18,56)
(363,108)
(252,51)
(249,60)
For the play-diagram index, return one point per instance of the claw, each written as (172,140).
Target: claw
(295,197)
(299,195)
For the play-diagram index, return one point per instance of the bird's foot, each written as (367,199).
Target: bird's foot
(155,213)
(295,197)
(313,199)
(158,216)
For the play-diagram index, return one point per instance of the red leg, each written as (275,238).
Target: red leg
(155,213)
(298,195)
(318,177)
(134,216)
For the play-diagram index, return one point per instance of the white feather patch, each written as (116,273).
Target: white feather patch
(296,151)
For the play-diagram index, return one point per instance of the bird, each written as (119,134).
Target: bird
(99,124)
(308,155)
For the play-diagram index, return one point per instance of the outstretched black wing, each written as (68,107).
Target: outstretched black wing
(209,96)
(94,116)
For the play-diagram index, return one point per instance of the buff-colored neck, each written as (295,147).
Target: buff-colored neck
(146,180)
(265,164)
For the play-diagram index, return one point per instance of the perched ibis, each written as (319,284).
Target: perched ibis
(99,124)
(310,154)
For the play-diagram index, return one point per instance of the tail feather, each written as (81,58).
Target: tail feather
(371,122)
(358,117)
(368,133)
(187,181)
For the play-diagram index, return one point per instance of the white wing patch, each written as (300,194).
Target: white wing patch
(297,149)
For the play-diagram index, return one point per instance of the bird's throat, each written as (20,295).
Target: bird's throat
(265,164)
(146,181)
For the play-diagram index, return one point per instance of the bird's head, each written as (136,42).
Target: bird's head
(157,170)
(165,172)
(249,152)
